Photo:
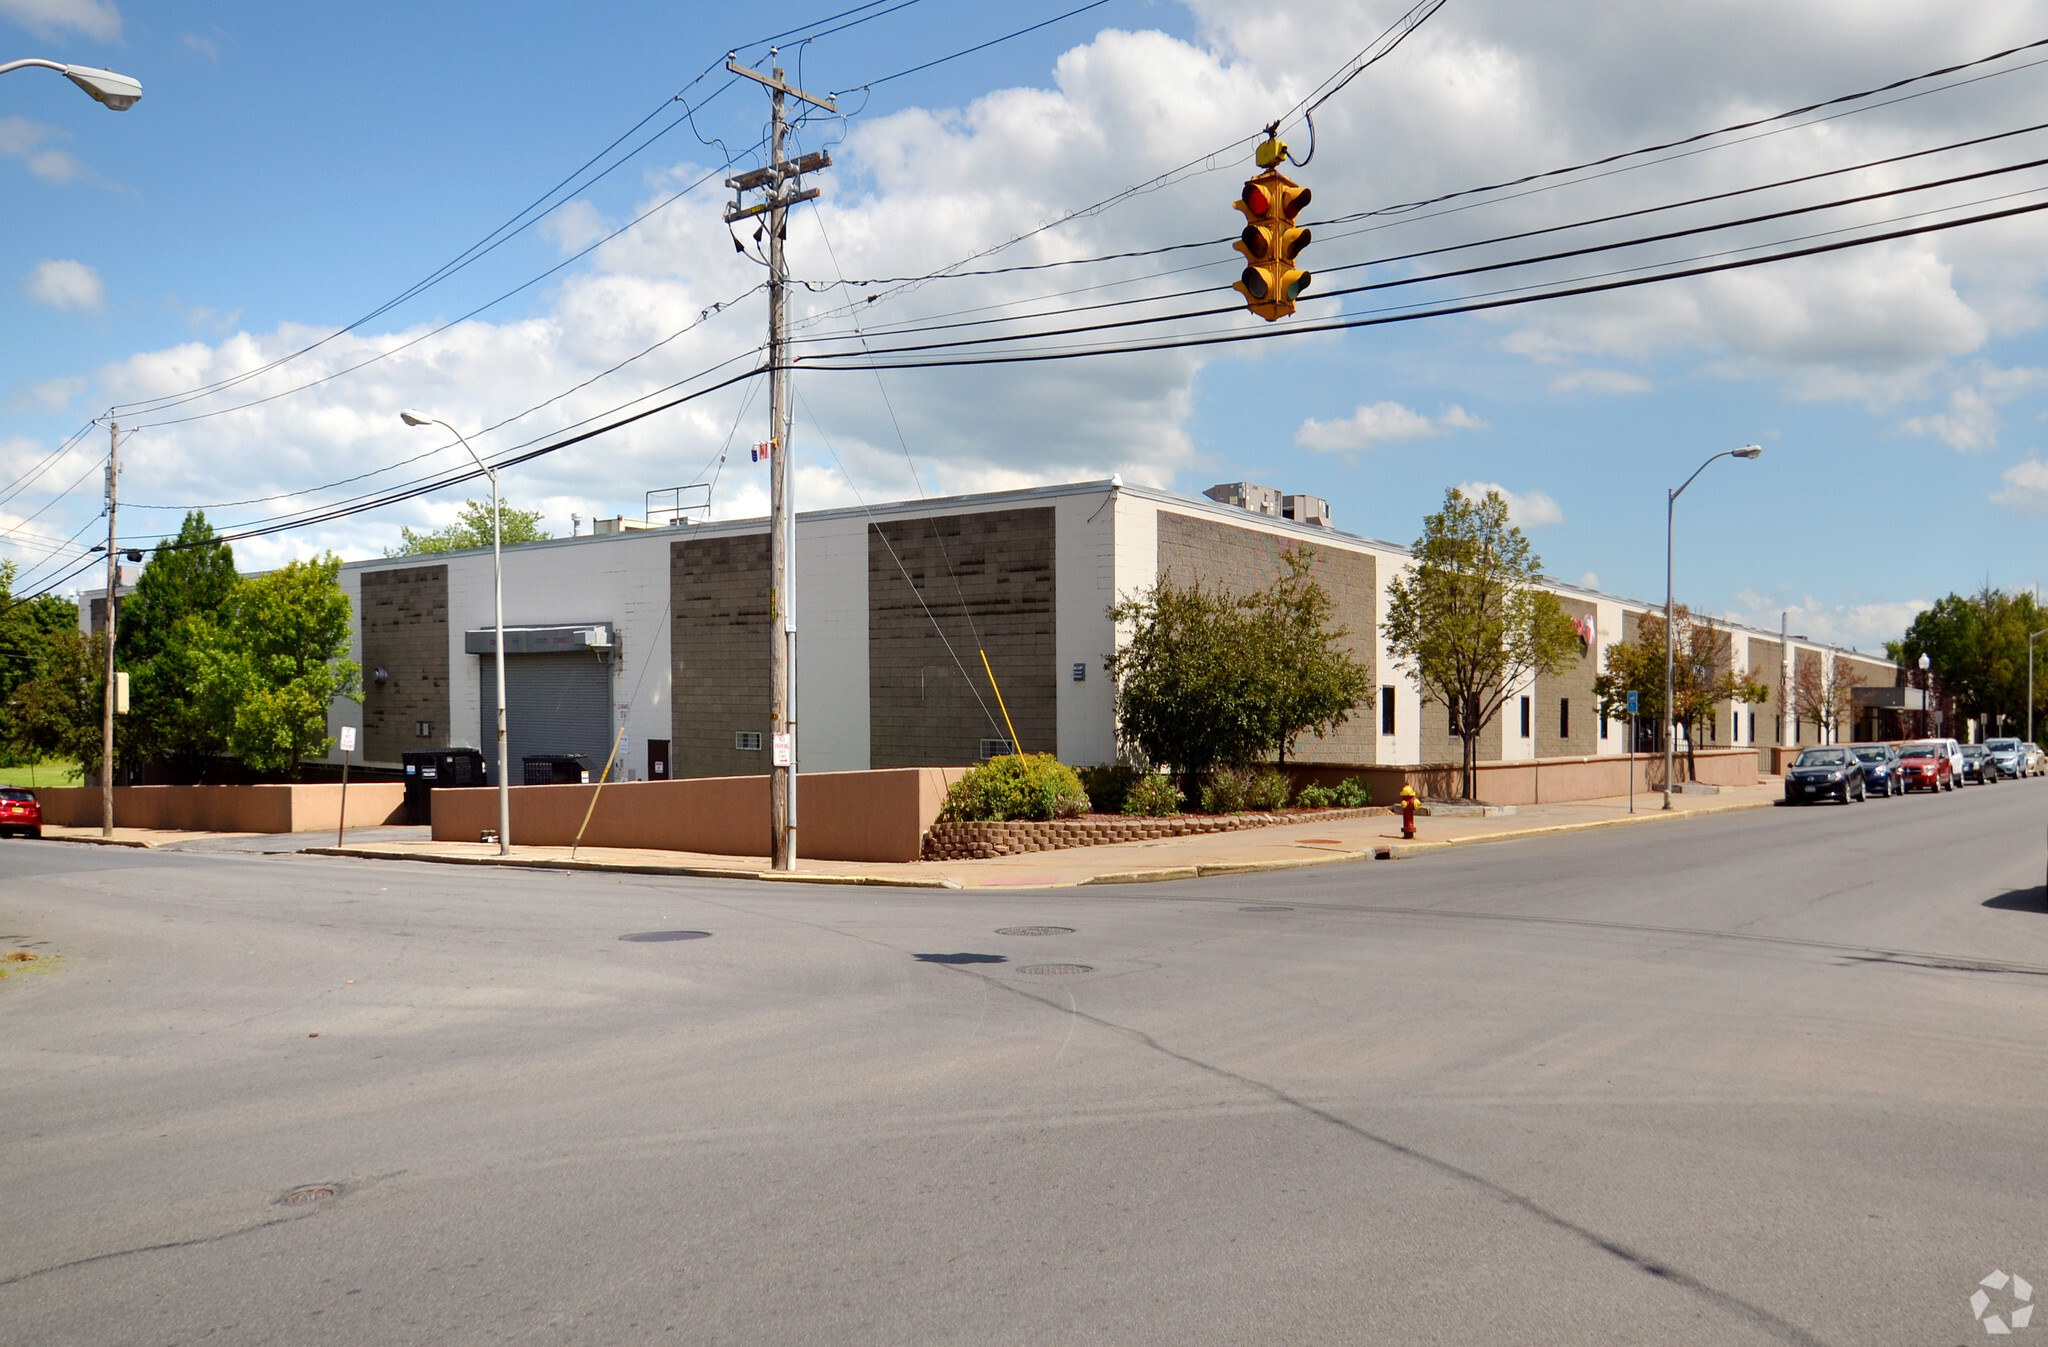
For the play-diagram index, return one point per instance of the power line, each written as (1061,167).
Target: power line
(969,51)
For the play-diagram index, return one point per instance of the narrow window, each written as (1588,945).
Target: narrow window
(1603,726)
(1564,717)
(1777,727)
(1525,717)
(1386,710)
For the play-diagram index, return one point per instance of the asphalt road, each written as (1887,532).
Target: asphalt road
(1775,1077)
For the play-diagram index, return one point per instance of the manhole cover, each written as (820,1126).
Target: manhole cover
(1056,969)
(308,1195)
(1034,930)
(649,937)
(1266,907)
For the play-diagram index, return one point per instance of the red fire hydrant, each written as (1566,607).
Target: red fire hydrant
(1408,811)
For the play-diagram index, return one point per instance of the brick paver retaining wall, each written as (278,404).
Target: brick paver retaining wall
(979,841)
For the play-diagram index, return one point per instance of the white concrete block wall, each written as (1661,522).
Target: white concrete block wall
(1085,573)
(832,644)
(1405,743)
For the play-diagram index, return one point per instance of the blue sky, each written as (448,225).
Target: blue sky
(289,170)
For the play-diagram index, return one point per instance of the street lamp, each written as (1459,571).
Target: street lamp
(118,92)
(1670,514)
(413,418)
(1926,687)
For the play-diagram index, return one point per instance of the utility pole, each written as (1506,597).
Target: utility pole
(113,588)
(781,182)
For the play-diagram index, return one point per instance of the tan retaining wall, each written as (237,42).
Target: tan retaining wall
(841,816)
(1547,781)
(228,809)
(979,841)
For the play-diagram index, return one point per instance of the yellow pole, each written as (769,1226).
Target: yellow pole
(614,757)
(1015,747)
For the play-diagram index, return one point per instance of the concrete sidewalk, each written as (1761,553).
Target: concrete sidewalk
(1277,848)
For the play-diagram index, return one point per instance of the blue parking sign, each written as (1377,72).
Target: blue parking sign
(1631,703)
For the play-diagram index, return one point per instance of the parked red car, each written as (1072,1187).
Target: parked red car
(20,813)
(1926,766)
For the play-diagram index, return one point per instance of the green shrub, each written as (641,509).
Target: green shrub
(1350,793)
(1270,790)
(1108,786)
(1037,786)
(1152,796)
(1227,790)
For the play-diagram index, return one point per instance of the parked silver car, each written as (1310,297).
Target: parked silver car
(2011,756)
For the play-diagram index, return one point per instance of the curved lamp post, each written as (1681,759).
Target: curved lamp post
(413,418)
(118,92)
(1670,513)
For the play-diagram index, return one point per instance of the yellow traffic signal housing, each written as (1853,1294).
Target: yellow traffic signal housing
(1271,242)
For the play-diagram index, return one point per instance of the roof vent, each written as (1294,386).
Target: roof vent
(1310,510)
(1246,496)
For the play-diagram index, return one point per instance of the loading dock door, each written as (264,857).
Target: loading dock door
(554,703)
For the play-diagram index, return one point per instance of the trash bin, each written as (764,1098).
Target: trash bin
(557,769)
(429,769)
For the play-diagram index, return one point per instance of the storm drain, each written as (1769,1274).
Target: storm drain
(1034,930)
(652,937)
(1055,969)
(309,1195)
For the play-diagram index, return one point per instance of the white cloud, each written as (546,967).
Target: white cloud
(65,284)
(28,141)
(50,395)
(1860,626)
(1600,381)
(204,46)
(1590,580)
(1530,510)
(1971,421)
(49,18)
(1382,423)
(2026,487)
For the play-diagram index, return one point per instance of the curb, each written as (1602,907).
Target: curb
(107,842)
(607,867)
(1403,850)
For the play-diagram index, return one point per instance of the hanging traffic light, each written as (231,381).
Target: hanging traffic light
(1271,242)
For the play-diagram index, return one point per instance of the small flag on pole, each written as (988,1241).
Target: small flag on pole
(760,454)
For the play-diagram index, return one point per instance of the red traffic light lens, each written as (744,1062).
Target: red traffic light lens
(1299,204)
(1255,199)
(1254,283)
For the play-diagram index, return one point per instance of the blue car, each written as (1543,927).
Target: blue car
(1881,775)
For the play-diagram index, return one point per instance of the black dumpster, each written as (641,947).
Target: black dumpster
(429,769)
(557,769)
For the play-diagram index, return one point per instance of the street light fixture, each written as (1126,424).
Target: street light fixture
(1926,691)
(118,92)
(1670,514)
(413,418)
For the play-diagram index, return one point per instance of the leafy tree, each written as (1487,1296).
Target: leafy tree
(269,669)
(472,528)
(1190,691)
(1315,682)
(1212,678)
(57,713)
(1703,675)
(26,626)
(166,626)
(1467,619)
(1978,649)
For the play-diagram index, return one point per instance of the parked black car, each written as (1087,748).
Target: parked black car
(1979,765)
(1825,774)
(1881,775)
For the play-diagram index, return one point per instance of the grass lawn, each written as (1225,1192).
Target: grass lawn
(56,772)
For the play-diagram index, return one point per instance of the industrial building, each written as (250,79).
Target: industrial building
(663,633)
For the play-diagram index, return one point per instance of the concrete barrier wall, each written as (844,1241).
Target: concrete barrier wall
(228,809)
(1548,781)
(841,816)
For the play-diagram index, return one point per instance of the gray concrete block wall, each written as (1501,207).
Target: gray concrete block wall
(405,633)
(987,575)
(1244,560)
(718,644)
